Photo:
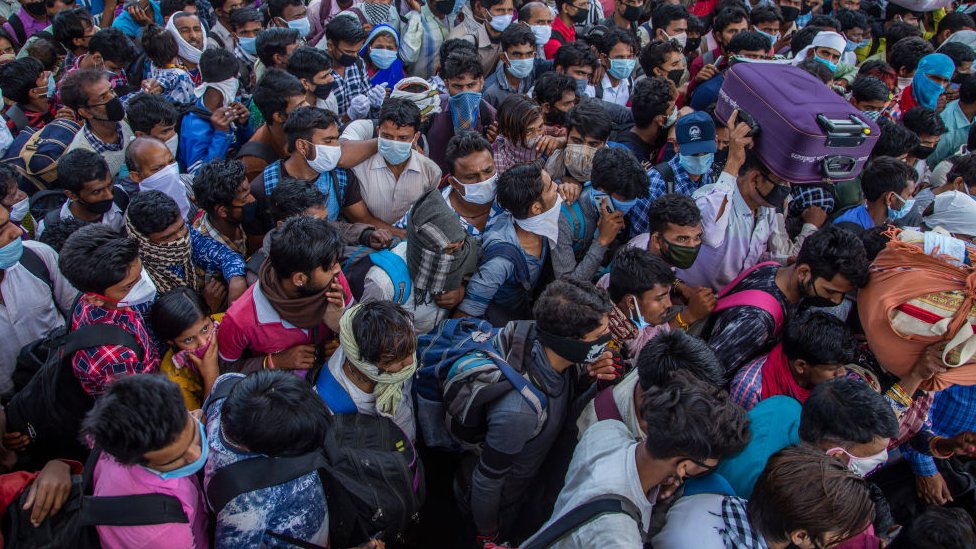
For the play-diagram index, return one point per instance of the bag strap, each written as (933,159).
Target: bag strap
(97,335)
(396,269)
(580,516)
(335,397)
(257,473)
(510,252)
(521,348)
(292,540)
(36,266)
(254,262)
(735,282)
(18,27)
(575,215)
(606,406)
(132,510)
(222,390)
(754,298)
(16,115)
(259,150)
(667,174)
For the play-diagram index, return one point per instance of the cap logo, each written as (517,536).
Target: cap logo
(694,132)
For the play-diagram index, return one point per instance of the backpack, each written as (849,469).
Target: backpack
(364,258)
(370,472)
(751,298)
(574,214)
(580,516)
(35,155)
(605,406)
(461,372)
(20,33)
(50,406)
(667,174)
(72,525)
(16,115)
(558,37)
(48,204)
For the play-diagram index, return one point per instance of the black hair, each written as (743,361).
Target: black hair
(748,41)
(70,25)
(167,8)
(955,21)
(303,243)
(176,311)
(216,183)
(727,17)
(45,50)
(655,54)
(613,37)
(152,212)
(306,62)
(276,8)
(695,24)
(19,77)
(957,51)
(272,92)
(274,413)
(832,251)
(943,527)
(869,88)
(57,232)
(293,197)
(923,120)
(965,167)
(303,122)
(635,271)
(884,174)
(8,179)
(895,139)
(617,171)
(519,188)
(893,10)
(651,98)
(571,308)
(145,111)
(590,120)
(817,337)
(907,52)
(825,22)
(95,258)
(551,86)
(898,31)
(517,35)
(690,418)
(275,41)
(574,54)
(845,411)
(114,46)
(217,65)
(460,63)
(850,19)
(240,17)
(803,38)
(463,144)
(383,331)
(664,14)
(138,414)
(73,88)
(80,166)
(765,14)
(677,350)
(676,209)
(456,45)
(401,112)
(160,45)
(345,29)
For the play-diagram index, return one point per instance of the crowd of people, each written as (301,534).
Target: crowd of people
(477,273)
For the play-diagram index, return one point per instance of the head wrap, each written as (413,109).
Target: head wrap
(379,29)
(428,101)
(159,259)
(955,212)
(431,226)
(389,385)
(940,174)
(186,50)
(376,13)
(825,39)
(924,90)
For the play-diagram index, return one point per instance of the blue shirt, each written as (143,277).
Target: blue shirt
(683,184)
(124,22)
(858,215)
(212,257)
(200,142)
(953,412)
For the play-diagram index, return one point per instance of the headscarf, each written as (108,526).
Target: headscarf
(955,212)
(392,74)
(186,50)
(159,259)
(376,13)
(777,377)
(924,90)
(389,385)
(431,226)
(825,39)
(429,101)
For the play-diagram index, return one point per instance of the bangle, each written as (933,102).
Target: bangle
(268,362)
(681,323)
(935,452)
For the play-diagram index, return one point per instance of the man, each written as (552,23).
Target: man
(397,175)
(768,20)
(929,82)
(688,171)
(72,29)
(870,95)
(89,94)
(669,24)
(111,52)
(538,17)
(569,13)
(28,21)
(25,83)
(744,45)
(221,32)
(516,248)
(158,454)
(625,15)
(106,268)
(927,125)
(224,194)
(683,441)
(962,56)
(618,55)
(282,321)
(273,47)
(952,23)
(276,96)
(654,109)
(588,128)
(153,168)
(313,68)
(957,117)
(191,38)
(887,185)
(463,108)
(665,60)
(87,183)
(853,26)
(290,14)
(591,225)
(36,296)
(556,94)
(247,24)
(830,264)
(489,19)
(517,70)
(176,255)
(727,23)
(578,61)
(151,115)
(354,96)
(428,26)
(904,58)
(816,347)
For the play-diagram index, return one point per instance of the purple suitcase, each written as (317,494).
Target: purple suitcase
(806,132)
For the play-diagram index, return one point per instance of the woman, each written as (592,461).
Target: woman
(521,136)
(181,320)
(380,51)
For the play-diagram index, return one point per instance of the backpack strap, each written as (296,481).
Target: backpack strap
(36,266)
(574,214)
(18,27)
(302,544)
(605,406)
(257,149)
(97,335)
(735,282)
(754,298)
(335,397)
(558,36)
(132,510)
(667,174)
(396,269)
(582,515)
(221,390)
(16,115)
(254,262)
(518,353)
(257,473)
(52,216)
(513,254)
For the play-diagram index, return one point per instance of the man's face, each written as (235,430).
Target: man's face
(152,158)
(855,34)
(119,290)
(390,131)
(676,27)
(929,140)
(58,6)
(566,102)
(540,17)
(507,7)
(721,137)
(176,230)
(811,375)
(621,50)
(520,51)
(733,29)
(235,211)
(82,43)
(464,83)
(869,105)
(190,29)
(329,136)
(852,5)
(345,48)
(293,103)
(229,6)
(910,19)
(832,290)
(318,280)
(8,231)
(689,236)
(474,168)
(185,450)
(673,61)
(13,196)
(827,54)
(94,191)
(769,27)
(249,29)
(753,54)
(622,5)
(98,95)
(574,137)
(654,304)
(578,72)
(548,198)
(293,12)
(163,132)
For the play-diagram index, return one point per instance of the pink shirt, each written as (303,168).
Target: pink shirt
(113,479)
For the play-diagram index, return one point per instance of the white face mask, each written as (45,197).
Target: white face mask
(681,38)
(227,88)
(545,224)
(143,292)
(542,34)
(172,143)
(19,210)
(482,192)
(863,467)
(904,82)
(167,181)
(326,158)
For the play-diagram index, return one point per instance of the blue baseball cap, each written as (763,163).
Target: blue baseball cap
(695,133)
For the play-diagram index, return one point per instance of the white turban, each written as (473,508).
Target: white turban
(825,39)
(187,51)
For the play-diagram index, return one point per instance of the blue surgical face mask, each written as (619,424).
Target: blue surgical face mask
(383,59)
(520,68)
(829,64)
(10,254)
(248,44)
(696,164)
(500,22)
(395,152)
(773,38)
(851,46)
(622,68)
(623,206)
(189,468)
(301,25)
(636,317)
(581,84)
(51,85)
(906,207)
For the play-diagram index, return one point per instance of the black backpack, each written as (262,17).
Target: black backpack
(50,406)
(580,516)
(73,525)
(371,475)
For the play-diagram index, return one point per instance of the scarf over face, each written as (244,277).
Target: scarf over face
(159,259)
(306,312)
(431,227)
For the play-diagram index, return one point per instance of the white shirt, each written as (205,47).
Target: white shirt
(619,95)
(604,463)
(378,286)
(366,402)
(693,521)
(388,197)
(113,219)
(623,396)
(27,309)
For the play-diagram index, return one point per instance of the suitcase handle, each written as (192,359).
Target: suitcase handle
(851,132)
(838,167)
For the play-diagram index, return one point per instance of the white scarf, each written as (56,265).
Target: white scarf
(187,51)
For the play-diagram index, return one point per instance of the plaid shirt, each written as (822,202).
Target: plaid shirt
(176,82)
(746,387)
(953,411)
(738,530)
(914,429)
(96,367)
(202,224)
(353,83)
(683,184)
(100,146)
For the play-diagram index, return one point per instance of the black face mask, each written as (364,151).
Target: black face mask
(323,91)
(581,16)
(790,13)
(675,75)
(632,13)
(574,350)
(346,60)
(114,111)
(444,7)
(922,152)
(811,298)
(682,257)
(36,9)
(101,207)
(692,44)
(777,196)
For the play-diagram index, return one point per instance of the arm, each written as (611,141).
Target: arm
(740,336)
(484,285)
(359,213)
(356,152)
(564,258)
(716,209)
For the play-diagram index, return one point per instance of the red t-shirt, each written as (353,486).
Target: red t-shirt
(569,33)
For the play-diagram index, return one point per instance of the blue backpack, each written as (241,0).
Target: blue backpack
(461,372)
(364,258)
